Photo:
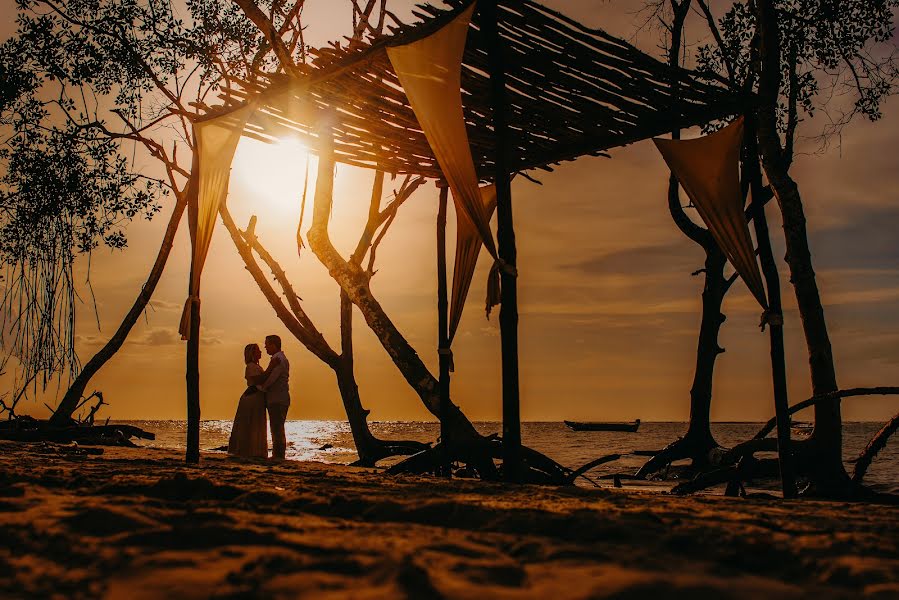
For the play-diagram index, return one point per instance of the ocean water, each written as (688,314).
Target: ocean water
(331,442)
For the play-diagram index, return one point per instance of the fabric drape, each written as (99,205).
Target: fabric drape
(468,247)
(708,170)
(430,71)
(215,142)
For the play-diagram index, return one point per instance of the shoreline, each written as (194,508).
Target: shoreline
(140,523)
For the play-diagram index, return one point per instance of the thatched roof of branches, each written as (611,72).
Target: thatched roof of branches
(572,91)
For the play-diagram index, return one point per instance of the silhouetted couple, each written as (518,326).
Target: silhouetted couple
(267,390)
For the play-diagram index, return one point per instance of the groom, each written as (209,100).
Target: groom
(277,394)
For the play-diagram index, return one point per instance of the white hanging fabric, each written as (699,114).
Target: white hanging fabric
(215,141)
(468,247)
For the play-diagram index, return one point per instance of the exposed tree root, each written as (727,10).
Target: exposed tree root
(377,450)
(853,492)
(593,464)
(735,475)
(877,443)
(699,450)
(649,453)
(740,466)
(748,448)
(619,476)
(839,394)
(478,460)
(466,461)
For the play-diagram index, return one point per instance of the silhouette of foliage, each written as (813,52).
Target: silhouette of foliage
(835,55)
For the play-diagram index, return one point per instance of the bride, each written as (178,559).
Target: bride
(249,434)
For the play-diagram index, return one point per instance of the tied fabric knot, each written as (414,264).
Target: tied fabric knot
(494,280)
(448,352)
(769,317)
(184,327)
(506,268)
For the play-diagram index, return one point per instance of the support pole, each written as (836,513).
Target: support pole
(775,323)
(505,235)
(193,384)
(443,346)
(192,370)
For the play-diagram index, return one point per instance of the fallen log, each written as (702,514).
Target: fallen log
(27,429)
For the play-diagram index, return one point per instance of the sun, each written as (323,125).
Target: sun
(272,176)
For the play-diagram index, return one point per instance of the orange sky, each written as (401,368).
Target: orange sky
(609,311)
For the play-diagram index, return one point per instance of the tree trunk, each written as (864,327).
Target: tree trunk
(69,404)
(354,281)
(443,345)
(349,389)
(369,448)
(698,441)
(192,376)
(752,172)
(699,432)
(828,472)
(505,239)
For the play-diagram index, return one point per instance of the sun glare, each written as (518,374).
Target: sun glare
(272,174)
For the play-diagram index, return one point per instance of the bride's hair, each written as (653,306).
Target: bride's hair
(249,353)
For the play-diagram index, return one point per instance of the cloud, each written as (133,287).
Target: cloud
(159,337)
(168,336)
(643,260)
(867,240)
(164,305)
(92,342)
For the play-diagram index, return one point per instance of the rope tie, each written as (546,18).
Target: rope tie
(770,317)
(506,268)
(184,326)
(493,281)
(448,352)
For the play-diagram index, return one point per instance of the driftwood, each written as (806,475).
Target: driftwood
(26,429)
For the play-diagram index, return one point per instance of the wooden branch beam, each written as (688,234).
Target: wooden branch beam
(828,397)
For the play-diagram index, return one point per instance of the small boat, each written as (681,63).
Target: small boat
(801,427)
(600,426)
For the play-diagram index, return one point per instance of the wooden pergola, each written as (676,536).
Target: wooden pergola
(538,89)
(570,91)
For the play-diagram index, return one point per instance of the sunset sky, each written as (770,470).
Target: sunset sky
(609,313)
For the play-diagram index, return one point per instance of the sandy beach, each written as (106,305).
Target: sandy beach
(139,523)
